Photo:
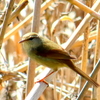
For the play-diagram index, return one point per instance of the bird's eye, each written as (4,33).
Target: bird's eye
(30,38)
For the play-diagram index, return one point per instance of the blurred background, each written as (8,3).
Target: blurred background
(58,20)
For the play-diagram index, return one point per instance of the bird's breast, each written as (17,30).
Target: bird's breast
(48,62)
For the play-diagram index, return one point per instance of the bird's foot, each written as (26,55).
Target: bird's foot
(42,80)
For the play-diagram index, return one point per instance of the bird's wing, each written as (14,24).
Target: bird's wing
(55,54)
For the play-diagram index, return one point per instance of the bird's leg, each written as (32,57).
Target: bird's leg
(43,79)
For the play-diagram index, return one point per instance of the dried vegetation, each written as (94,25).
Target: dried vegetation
(64,21)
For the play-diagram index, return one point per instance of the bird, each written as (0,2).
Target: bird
(50,54)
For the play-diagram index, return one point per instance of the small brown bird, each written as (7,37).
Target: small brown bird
(50,54)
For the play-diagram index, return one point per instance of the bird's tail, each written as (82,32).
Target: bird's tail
(80,72)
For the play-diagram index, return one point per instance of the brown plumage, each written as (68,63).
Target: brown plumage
(50,54)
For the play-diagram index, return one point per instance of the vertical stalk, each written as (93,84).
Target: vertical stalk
(35,28)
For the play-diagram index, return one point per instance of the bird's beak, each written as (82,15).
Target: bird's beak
(23,40)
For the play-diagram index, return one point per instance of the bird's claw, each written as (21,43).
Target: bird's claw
(42,80)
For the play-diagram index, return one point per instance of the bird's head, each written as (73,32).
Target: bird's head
(31,40)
